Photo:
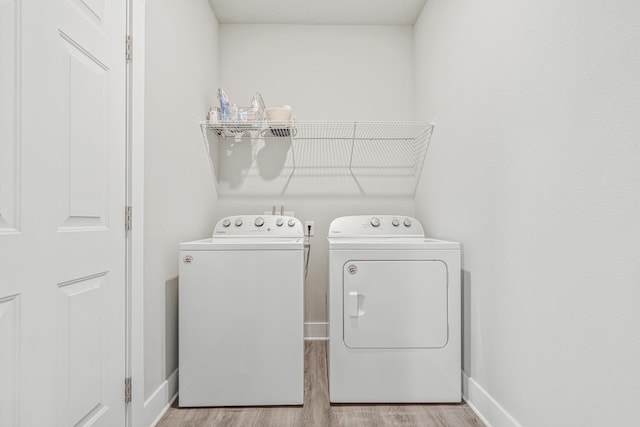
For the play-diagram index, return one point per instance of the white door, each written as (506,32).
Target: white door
(62,196)
(395,304)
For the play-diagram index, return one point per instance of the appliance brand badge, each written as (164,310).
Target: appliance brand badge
(188,259)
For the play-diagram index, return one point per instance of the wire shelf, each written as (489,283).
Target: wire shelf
(317,158)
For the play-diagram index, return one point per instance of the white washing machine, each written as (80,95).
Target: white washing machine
(394,312)
(241,320)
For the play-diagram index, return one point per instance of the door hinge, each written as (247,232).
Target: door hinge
(128,50)
(127,218)
(127,389)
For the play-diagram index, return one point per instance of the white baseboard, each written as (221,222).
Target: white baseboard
(486,407)
(161,399)
(316,330)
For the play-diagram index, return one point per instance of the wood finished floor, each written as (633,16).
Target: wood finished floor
(318,412)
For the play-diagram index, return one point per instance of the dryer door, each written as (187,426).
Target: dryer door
(395,304)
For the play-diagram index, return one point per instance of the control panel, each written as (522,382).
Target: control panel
(258,226)
(375,226)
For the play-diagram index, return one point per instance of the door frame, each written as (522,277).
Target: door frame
(135,414)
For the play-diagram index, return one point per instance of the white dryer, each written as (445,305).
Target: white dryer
(241,327)
(394,312)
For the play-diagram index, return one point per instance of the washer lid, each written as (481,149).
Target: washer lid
(243,244)
(372,226)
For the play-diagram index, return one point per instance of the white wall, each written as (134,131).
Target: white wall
(180,198)
(535,167)
(325,73)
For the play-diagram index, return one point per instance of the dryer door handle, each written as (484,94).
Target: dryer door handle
(353,304)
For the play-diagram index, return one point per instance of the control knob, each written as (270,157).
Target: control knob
(375,222)
(259,222)
(291,222)
(279,222)
(395,222)
(407,223)
(226,223)
(238,222)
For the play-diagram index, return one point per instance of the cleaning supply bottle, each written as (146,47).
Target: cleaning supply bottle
(225,113)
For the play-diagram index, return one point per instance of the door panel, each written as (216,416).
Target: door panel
(62,197)
(81,312)
(395,304)
(82,109)
(9,141)
(9,335)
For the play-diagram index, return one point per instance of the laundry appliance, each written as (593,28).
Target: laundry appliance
(394,312)
(241,326)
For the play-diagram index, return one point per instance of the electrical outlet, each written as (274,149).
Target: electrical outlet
(309,228)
